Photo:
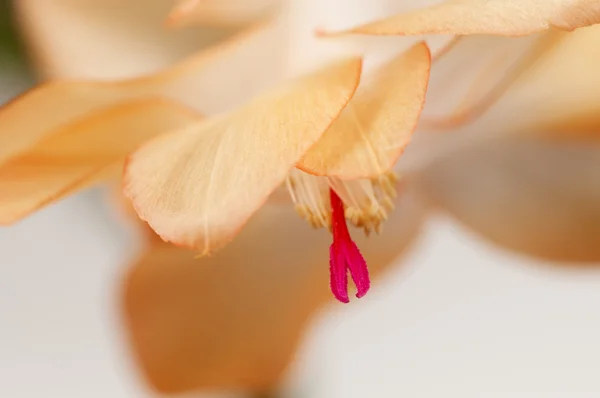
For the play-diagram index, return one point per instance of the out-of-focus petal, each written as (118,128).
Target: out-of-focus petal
(108,39)
(210,82)
(197,187)
(220,12)
(494,17)
(375,127)
(535,197)
(557,97)
(470,77)
(234,320)
(553,90)
(81,154)
(561,92)
(306,18)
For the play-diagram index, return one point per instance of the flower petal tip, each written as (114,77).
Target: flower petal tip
(378,123)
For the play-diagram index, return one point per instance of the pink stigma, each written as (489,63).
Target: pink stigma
(344,256)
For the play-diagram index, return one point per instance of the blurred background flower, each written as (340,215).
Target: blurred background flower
(461,318)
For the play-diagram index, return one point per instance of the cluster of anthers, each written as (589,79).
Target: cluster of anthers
(367,202)
(331,202)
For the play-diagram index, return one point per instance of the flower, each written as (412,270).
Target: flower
(205,213)
(54,167)
(318,97)
(83,129)
(248,154)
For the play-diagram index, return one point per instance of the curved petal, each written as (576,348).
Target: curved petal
(556,97)
(109,39)
(552,91)
(198,187)
(535,197)
(220,12)
(81,154)
(375,127)
(210,82)
(562,90)
(493,17)
(234,320)
(470,77)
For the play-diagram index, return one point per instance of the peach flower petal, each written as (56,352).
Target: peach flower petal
(81,154)
(197,187)
(209,82)
(373,130)
(490,17)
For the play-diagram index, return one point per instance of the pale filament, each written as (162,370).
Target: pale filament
(367,201)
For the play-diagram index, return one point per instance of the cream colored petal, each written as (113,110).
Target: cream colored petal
(210,82)
(81,154)
(555,97)
(235,319)
(373,130)
(43,111)
(197,187)
(227,75)
(538,198)
(108,39)
(553,91)
(220,12)
(560,96)
(469,78)
(495,17)
(306,18)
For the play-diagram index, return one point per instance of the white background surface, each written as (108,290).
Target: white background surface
(458,319)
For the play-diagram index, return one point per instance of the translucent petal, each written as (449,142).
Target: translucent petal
(561,92)
(476,72)
(495,17)
(197,187)
(210,82)
(556,97)
(81,154)
(373,130)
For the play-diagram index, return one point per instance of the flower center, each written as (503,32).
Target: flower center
(331,202)
(367,202)
(344,256)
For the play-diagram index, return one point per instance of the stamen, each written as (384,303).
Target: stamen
(344,256)
(368,201)
(309,195)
